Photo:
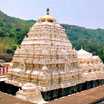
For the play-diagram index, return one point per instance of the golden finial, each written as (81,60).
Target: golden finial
(47,11)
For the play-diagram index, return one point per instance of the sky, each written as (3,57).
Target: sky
(87,13)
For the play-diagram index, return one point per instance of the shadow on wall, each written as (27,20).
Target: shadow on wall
(57,93)
(54,94)
(8,88)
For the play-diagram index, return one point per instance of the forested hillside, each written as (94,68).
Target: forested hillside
(13,30)
(91,40)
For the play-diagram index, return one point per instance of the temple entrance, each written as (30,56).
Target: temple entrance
(8,88)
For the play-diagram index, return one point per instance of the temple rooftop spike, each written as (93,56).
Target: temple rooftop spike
(47,11)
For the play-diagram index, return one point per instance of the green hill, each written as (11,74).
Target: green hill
(91,40)
(13,30)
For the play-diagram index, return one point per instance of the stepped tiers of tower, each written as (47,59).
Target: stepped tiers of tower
(46,58)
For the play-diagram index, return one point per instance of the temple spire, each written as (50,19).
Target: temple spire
(47,11)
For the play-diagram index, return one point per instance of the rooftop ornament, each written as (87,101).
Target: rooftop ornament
(47,11)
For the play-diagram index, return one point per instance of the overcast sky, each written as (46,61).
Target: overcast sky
(88,13)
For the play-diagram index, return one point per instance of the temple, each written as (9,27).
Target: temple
(47,61)
(46,56)
(91,66)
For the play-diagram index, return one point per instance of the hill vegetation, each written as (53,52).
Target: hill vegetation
(91,40)
(13,30)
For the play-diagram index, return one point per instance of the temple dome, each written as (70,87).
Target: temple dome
(47,18)
(83,53)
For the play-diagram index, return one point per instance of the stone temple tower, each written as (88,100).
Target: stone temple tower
(45,57)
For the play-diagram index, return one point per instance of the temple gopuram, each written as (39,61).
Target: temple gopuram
(46,66)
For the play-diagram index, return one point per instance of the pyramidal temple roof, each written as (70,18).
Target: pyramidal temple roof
(45,38)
